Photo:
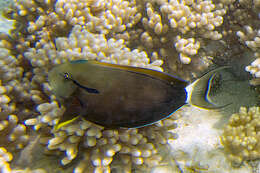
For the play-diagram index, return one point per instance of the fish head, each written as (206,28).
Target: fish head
(59,81)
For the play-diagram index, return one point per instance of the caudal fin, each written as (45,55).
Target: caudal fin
(198,91)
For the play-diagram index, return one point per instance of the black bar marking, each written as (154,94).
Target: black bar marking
(90,90)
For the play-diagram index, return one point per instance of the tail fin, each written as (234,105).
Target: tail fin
(198,91)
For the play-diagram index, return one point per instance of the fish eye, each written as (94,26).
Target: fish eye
(66,76)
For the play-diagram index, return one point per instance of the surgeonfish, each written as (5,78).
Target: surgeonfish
(118,96)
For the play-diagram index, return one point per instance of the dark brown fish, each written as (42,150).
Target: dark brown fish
(116,96)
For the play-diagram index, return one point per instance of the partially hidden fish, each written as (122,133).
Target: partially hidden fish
(117,96)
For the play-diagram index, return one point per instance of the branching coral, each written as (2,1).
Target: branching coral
(16,133)
(175,30)
(241,135)
(43,50)
(5,157)
(12,92)
(82,44)
(249,33)
(164,29)
(49,19)
(106,149)
(100,146)
(252,40)
(100,15)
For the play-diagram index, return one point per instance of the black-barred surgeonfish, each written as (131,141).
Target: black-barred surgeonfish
(117,96)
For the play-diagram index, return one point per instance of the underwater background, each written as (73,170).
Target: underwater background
(185,38)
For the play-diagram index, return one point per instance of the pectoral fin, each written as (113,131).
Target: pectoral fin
(71,114)
(62,123)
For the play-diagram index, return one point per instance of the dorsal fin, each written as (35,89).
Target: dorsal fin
(160,75)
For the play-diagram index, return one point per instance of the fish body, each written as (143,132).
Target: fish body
(117,96)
